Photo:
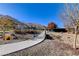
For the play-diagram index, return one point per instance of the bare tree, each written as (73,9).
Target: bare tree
(70,17)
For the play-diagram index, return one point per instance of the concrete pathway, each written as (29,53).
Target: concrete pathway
(13,47)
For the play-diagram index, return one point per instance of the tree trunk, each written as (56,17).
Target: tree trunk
(3,32)
(75,38)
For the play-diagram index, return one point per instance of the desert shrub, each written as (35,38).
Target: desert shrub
(48,37)
(58,36)
(32,32)
(19,32)
(25,32)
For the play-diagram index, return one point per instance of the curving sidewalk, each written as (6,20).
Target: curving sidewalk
(13,47)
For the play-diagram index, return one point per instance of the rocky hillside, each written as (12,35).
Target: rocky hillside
(21,25)
(36,26)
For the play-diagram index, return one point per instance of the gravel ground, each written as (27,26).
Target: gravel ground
(60,46)
(46,48)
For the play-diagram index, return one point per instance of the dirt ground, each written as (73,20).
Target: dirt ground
(46,48)
(58,46)
(19,39)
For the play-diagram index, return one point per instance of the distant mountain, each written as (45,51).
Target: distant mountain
(10,18)
(23,25)
(36,26)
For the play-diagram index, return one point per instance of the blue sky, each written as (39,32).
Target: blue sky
(41,13)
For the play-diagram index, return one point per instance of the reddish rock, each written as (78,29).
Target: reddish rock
(51,26)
